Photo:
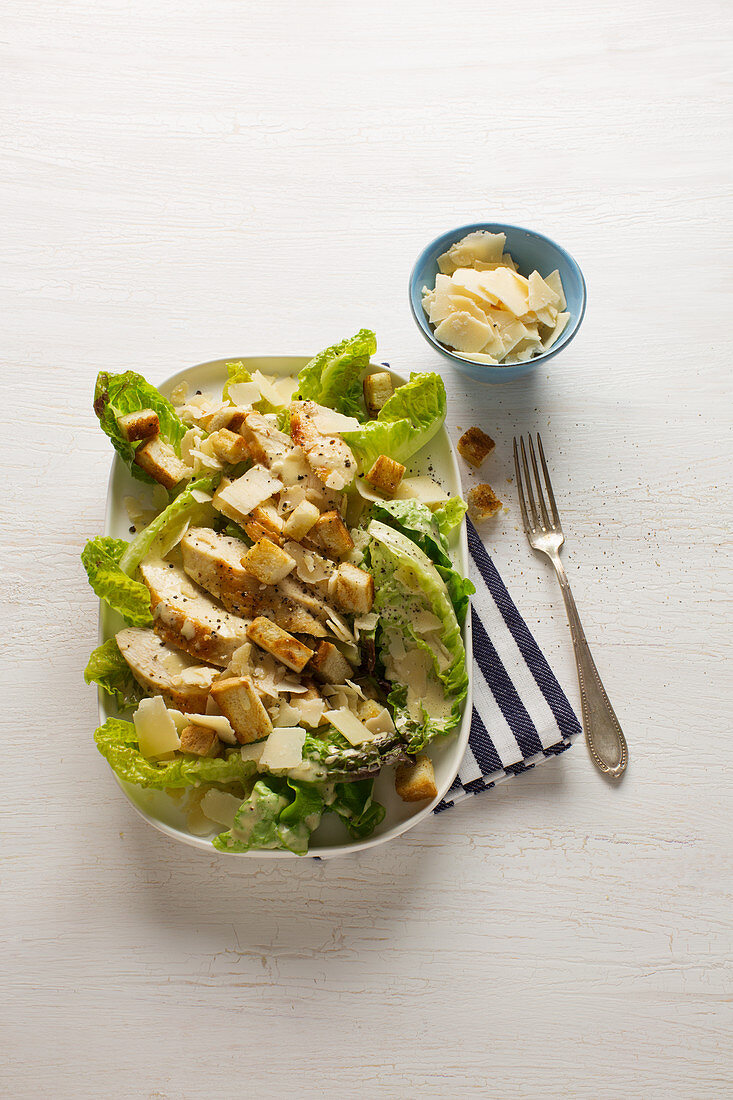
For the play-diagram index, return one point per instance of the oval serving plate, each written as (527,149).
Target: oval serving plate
(330,839)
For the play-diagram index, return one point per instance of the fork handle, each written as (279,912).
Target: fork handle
(606,741)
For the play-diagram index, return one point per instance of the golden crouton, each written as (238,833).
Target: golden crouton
(378,389)
(200,741)
(228,416)
(267,562)
(482,503)
(352,589)
(158,459)
(279,643)
(330,665)
(475,445)
(385,475)
(300,520)
(240,703)
(416,782)
(264,522)
(138,425)
(331,533)
(228,446)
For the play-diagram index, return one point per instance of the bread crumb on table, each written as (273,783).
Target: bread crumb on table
(475,446)
(483,503)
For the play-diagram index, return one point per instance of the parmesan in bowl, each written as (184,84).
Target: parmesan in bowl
(496,300)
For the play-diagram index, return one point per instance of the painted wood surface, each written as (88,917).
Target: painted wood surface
(185,181)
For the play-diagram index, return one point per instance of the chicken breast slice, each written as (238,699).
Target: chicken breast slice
(188,618)
(266,442)
(215,562)
(330,456)
(162,670)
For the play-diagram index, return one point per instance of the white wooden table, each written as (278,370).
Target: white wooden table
(184,181)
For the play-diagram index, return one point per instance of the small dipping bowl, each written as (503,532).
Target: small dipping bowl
(531,252)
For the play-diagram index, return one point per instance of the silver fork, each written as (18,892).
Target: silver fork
(606,742)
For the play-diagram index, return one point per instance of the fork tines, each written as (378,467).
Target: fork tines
(539,511)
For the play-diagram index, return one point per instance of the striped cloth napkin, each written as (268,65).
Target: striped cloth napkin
(521,715)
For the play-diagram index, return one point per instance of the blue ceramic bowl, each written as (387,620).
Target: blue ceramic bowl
(532,252)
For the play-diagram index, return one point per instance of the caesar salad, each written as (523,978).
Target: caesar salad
(289,614)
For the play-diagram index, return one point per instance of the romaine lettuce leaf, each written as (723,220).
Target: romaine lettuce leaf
(408,420)
(449,515)
(185,510)
(101,559)
(117,742)
(423,527)
(278,813)
(116,394)
(408,585)
(354,804)
(108,669)
(333,377)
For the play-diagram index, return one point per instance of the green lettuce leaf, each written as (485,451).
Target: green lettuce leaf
(449,515)
(354,804)
(108,669)
(408,583)
(408,420)
(333,377)
(116,394)
(101,560)
(279,813)
(424,528)
(184,511)
(117,742)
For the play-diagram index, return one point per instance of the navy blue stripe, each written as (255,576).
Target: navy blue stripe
(476,786)
(536,662)
(503,690)
(482,746)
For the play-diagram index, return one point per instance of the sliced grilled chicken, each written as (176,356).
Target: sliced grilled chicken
(215,562)
(330,456)
(182,681)
(188,617)
(266,442)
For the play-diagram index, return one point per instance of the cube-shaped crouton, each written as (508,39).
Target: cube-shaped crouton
(267,562)
(238,700)
(300,520)
(138,425)
(330,665)
(264,522)
(283,646)
(228,416)
(482,503)
(378,389)
(352,589)
(416,782)
(475,445)
(158,459)
(228,446)
(385,475)
(331,533)
(200,741)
